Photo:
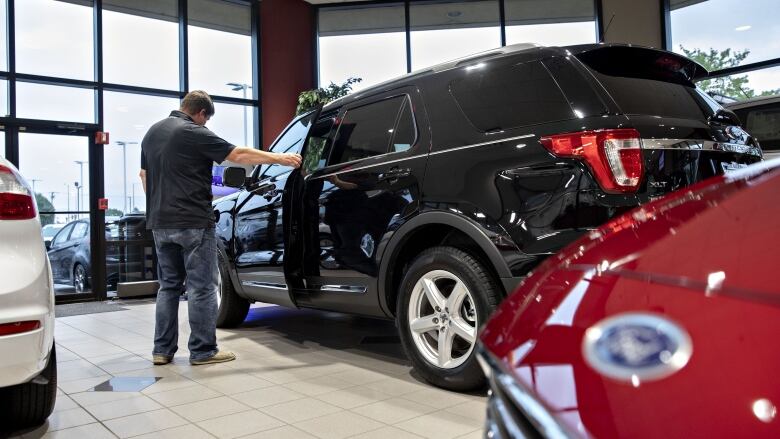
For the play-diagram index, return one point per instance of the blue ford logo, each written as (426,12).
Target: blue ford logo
(637,347)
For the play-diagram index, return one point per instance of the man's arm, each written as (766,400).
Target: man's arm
(250,156)
(142,174)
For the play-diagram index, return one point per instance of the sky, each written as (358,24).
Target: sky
(55,38)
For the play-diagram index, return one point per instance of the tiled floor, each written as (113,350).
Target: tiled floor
(299,374)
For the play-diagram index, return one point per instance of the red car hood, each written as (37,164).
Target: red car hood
(704,259)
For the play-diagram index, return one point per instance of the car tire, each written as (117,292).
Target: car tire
(80,278)
(446,268)
(29,404)
(232,308)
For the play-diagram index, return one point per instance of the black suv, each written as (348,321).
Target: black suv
(427,199)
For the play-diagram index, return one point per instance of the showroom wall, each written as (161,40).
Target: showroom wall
(632,21)
(287,54)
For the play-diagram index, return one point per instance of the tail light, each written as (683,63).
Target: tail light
(19,327)
(614,156)
(16,198)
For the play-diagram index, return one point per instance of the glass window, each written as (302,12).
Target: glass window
(80,230)
(53,102)
(444,31)
(3,35)
(725,33)
(62,236)
(128,118)
(362,42)
(365,131)
(58,168)
(550,23)
(291,141)
(4,97)
(2,143)
(405,133)
(764,82)
(319,144)
(141,43)
(763,123)
(54,38)
(510,97)
(234,123)
(220,47)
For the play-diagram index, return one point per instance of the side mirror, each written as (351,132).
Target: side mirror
(234,177)
(47,244)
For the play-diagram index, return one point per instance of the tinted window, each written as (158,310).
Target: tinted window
(764,125)
(649,82)
(405,132)
(62,236)
(291,141)
(508,97)
(80,230)
(366,131)
(319,143)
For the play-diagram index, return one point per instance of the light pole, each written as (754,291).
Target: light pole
(243,87)
(124,144)
(80,186)
(34,180)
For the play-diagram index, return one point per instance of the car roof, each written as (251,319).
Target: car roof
(753,102)
(510,50)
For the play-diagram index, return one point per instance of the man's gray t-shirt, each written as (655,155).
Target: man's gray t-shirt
(178,155)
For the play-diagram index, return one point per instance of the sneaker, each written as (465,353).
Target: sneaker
(219,357)
(160,360)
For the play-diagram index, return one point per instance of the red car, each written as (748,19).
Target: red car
(663,323)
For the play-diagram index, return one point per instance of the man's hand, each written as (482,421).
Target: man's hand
(287,159)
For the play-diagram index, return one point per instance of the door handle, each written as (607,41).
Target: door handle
(393,174)
(272,193)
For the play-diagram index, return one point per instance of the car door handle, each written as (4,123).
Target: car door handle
(395,173)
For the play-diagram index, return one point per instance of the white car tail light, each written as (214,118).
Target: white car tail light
(16,198)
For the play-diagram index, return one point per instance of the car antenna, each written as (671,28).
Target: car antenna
(606,28)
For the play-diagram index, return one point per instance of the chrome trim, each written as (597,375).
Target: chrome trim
(257,284)
(703,145)
(534,411)
(343,288)
(387,162)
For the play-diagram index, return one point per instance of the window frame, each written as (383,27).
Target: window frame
(370,101)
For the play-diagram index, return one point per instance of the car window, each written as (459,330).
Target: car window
(405,133)
(502,98)
(80,230)
(366,131)
(764,125)
(319,143)
(62,236)
(291,142)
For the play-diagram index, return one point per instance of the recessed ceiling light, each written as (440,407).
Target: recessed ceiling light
(742,28)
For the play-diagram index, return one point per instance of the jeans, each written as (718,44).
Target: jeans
(189,254)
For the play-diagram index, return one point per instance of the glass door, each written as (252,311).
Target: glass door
(58,168)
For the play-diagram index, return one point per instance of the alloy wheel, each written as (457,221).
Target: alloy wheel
(443,319)
(80,279)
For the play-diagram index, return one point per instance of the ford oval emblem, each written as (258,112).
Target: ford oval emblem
(636,347)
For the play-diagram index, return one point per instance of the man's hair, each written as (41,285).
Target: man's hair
(197,100)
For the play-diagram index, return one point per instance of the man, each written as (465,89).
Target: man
(176,161)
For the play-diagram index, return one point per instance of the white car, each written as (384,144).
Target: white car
(28,366)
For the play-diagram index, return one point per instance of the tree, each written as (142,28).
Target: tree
(731,86)
(114,212)
(44,205)
(310,99)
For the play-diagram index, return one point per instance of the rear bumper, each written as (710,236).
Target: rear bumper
(26,293)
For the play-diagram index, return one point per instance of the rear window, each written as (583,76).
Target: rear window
(649,82)
(764,125)
(496,99)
